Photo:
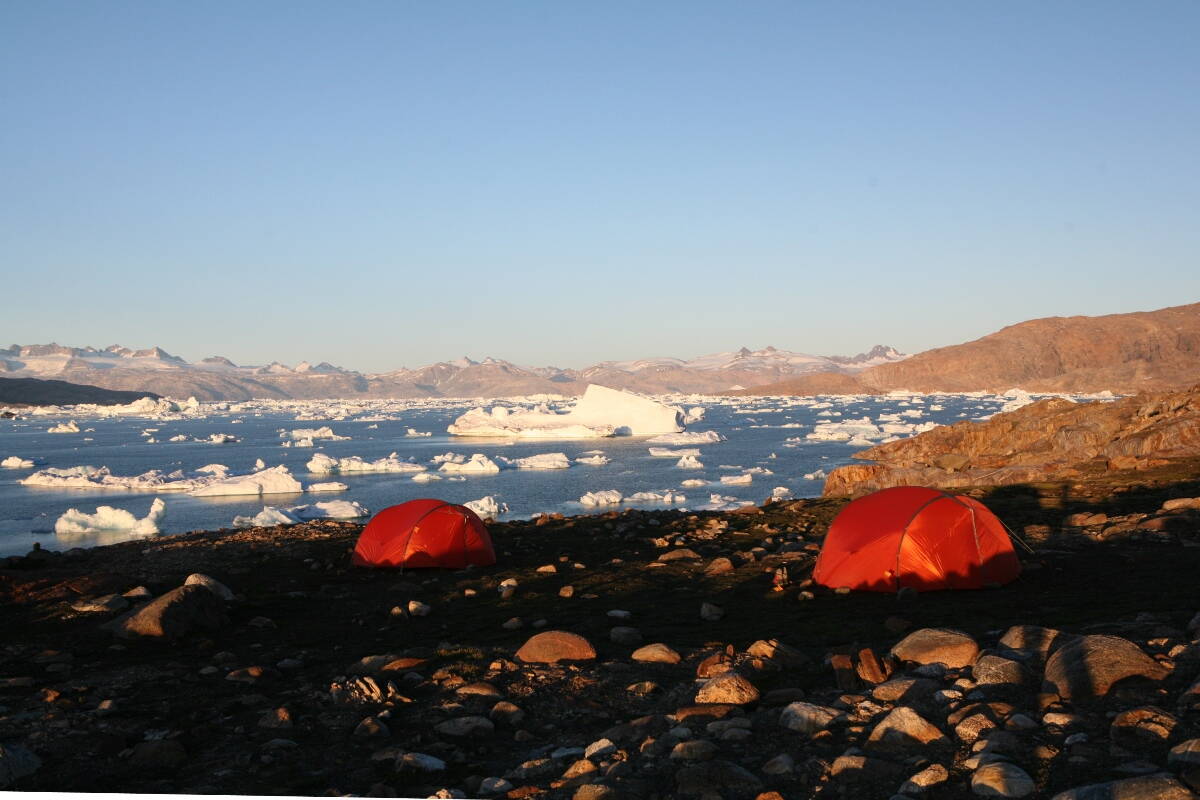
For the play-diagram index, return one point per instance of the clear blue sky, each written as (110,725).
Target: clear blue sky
(379,184)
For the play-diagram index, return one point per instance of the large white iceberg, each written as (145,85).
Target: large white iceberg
(487,507)
(540,461)
(108,518)
(64,427)
(600,412)
(478,464)
(271,516)
(607,497)
(88,477)
(322,464)
(311,434)
(16,462)
(691,437)
(276,480)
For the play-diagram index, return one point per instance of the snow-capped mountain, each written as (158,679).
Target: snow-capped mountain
(219,378)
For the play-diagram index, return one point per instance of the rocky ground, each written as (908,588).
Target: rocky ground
(636,654)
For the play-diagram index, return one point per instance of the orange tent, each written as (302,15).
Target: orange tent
(911,536)
(424,533)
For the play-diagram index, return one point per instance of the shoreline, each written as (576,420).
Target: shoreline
(202,714)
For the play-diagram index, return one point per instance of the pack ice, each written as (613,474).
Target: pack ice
(600,412)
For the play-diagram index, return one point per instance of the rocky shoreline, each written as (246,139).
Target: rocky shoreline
(637,654)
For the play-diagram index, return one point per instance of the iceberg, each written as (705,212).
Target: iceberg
(312,434)
(692,483)
(667,497)
(426,477)
(331,486)
(610,497)
(598,460)
(668,452)
(600,412)
(413,433)
(16,462)
(107,518)
(272,516)
(322,464)
(478,464)
(691,437)
(88,477)
(689,462)
(64,427)
(541,461)
(737,480)
(276,480)
(487,507)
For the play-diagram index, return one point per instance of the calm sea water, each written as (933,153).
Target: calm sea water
(752,427)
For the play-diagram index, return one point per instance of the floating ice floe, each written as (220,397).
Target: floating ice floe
(598,460)
(815,476)
(426,477)
(668,497)
(608,497)
(16,462)
(276,480)
(670,452)
(540,461)
(65,427)
(694,415)
(689,462)
(413,433)
(718,502)
(322,464)
(600,412)
(477,464)
(313,434)
(781,493)
(331,486)
(89,477)
(487,507)
(744,479)
(692,483)
(220,438)
(107,518)
(691,437)
(271,516)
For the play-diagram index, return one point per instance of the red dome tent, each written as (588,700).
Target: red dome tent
(424,533)
(911,536)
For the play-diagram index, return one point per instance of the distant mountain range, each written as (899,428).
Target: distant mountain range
(218,378)
(1140,351)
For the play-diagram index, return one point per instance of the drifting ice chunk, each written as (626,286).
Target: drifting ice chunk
(276,480)
(718,502)
(87,477)
(815,476)
(846,430)
(65,427)
(478,464)
(781,493)
(610,497)
(692,483)
(16,462)
(542,461)
(322,464)
(183,437)
(426,477)
(487,507)
(667,497)
(689,462)
(108,518)
(737,480)
(310,434)
(600,412)
(269,517)
(667,452)
(694,415)
(598,460)
(411,432)
(691,437)
(220,438)
(332,486)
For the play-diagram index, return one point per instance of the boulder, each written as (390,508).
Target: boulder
(1145,725)
(937,646)
(727,688)
(993,670)
(16,762)
(1145,787)
(173,615)
(552,647)
(905,732)
(212,584)
(1087,668)
(807,718)
(464,727)
(1000,779)
(778,652)
(657,653)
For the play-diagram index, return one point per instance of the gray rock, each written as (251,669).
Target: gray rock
(623,634)
(694,750)
(1087,668)
(952,648)
(1146,787)
(807,718)
(212,584)
(904,731)
(1001,779)
(16,762)
(173,615)
(727,688)
(100,605)
(657,653)
(933,775)
(464,727)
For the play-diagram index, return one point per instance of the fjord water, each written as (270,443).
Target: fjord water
(752,428)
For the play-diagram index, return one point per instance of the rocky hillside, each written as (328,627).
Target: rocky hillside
(34,392)
(218,378)
(635,655)
(1054,439)
(1120,352)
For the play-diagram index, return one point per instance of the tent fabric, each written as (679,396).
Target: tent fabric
(424,533)
(911,536)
